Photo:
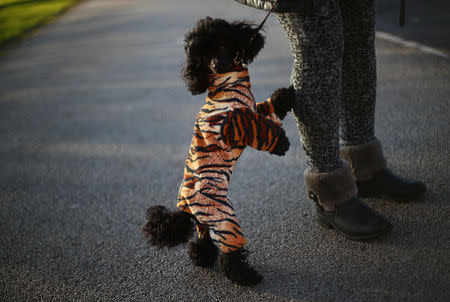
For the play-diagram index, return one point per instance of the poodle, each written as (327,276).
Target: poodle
(218,53)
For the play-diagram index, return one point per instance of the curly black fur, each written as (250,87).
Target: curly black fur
(203,252)
(216,46)
(283,100)
(236,268)
(167,228)
(282,145)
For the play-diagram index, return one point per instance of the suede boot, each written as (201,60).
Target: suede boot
(373,178)
(334,195)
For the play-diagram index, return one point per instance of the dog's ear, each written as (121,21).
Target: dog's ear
(196,75)
(196,72)
(249,42)
(254,46)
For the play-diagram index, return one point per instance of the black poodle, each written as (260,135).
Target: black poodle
(215,46)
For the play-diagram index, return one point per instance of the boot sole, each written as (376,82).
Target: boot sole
(329,225)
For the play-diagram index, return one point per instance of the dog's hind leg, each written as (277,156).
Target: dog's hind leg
(203,252)
(167,228)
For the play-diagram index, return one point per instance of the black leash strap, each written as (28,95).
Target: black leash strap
(239,61)
(267,16)
(262,23)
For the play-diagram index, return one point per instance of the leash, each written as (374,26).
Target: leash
(263,21)
(240,61)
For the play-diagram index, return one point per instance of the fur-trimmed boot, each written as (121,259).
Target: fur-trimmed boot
(334,194)
(373,178)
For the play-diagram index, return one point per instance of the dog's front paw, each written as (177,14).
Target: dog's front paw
(235,267)
(282,145)
(283,100)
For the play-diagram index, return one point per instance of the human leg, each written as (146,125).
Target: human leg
(359,146)
(359,75)
(316,44)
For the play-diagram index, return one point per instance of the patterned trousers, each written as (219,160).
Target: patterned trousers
(334,75)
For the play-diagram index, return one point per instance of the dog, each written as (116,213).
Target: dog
(217,55)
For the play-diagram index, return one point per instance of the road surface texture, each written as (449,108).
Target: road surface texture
(94,127)
(427,23)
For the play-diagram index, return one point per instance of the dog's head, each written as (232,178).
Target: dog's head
(218,46)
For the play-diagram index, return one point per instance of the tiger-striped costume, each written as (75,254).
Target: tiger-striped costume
(228,122)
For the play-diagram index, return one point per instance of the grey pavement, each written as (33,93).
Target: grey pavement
(425,21)
(94,127)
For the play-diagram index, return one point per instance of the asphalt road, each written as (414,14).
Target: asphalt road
(94,126)
(425,22)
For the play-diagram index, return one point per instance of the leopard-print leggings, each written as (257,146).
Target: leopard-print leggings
(334,75)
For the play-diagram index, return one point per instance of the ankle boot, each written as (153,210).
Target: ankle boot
(373,178)
(334,195)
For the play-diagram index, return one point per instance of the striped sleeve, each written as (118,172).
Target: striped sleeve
(266,107)
(243,127)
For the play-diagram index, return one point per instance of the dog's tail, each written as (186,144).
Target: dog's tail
(167,228)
